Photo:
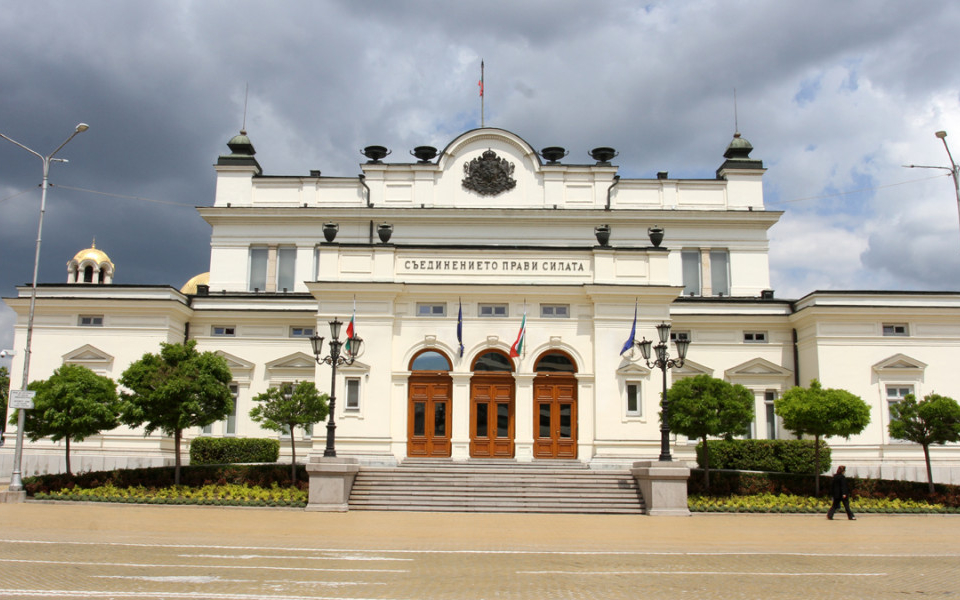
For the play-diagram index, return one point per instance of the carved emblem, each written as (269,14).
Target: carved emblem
(489,175)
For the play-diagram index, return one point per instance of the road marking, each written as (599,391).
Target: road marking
(334,557)
(491,551)
(189,566)
(738,573)
(166,594)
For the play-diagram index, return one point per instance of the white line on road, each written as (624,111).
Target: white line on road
(738,573)
(189,566)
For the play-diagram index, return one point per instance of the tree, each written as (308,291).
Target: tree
(176,389)
(4,393)
(73,404)
(821,413)
(933,420)
(703,406)
(284,408)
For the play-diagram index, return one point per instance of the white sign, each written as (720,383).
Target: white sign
(22,399)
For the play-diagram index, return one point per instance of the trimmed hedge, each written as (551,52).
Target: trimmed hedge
(743,483)
(158,477)
(228,451)
(778,456)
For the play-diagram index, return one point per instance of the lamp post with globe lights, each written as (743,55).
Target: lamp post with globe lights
(664,362)
(352,346)
(16,482)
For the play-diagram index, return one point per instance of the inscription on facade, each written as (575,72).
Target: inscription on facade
(443,265)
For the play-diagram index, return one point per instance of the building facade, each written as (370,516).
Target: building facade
(443,261)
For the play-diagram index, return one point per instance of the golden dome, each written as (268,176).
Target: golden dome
(190,287)
(93,254)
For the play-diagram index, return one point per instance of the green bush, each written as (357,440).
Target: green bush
(741,483)
(227,451)
(158,477)
(779,456)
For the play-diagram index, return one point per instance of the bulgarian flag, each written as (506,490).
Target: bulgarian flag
(352,325)
(517,348)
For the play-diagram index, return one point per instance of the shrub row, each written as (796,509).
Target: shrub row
(228,451)
(225,495)
(770,503)
(158,477)
(778,456)
(741,483)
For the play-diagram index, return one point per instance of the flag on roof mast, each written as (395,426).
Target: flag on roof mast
(460,328)
(517,348)
(480,83)
(352,326)
(633,331)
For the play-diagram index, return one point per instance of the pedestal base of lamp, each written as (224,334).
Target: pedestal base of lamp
(663,486)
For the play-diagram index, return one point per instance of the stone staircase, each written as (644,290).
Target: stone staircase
(496,485)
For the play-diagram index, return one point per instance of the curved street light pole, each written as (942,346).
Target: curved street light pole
(16,481)
(953,168)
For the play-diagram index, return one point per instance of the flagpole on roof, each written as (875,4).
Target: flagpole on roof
(481,94)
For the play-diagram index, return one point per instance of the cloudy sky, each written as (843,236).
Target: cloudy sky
(834,96)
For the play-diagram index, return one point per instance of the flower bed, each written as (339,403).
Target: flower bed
(785,503)
(221,495)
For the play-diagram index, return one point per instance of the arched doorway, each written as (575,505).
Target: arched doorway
(429,398)
(492,394)
(555,407)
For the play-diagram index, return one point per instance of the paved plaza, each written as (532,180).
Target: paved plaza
(102,551)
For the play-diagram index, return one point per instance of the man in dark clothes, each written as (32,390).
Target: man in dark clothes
(841,493)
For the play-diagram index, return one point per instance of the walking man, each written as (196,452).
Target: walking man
(841,493)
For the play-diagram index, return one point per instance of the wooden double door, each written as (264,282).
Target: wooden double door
(555,416)
(429,418)
(492,416)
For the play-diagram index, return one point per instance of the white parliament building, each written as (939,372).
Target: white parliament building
(494,230)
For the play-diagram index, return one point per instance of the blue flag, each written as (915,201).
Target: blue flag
(633,332)
(460,328)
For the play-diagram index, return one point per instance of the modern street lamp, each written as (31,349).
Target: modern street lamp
(664,362)
(334,359)
(953,168)
(16,482)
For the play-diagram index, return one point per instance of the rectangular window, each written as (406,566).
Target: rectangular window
(771,416)
(896,393)
(691,272)
(258,269)
(755,337)
(353,394)
(91,321)
(634,407)
(286,268)
(555,311)
(207,429)
(230,427)
(680,335)
(301,332)
(493,310)
(431,310)
(720,272)
(223,331)
(308,431)
(894,329)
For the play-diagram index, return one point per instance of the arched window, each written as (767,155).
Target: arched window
(555,362)
(88,274)
(430,360)
(493,361)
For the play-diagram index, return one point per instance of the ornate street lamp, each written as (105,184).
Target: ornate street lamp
(664,362)
(352,348)
(16,481)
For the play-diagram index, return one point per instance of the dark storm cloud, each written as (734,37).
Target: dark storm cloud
(162,86)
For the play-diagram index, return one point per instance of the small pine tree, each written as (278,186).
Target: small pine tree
(703,406)
(178,388)
(933,420)
(287,407)
(73,404)
(821,413)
